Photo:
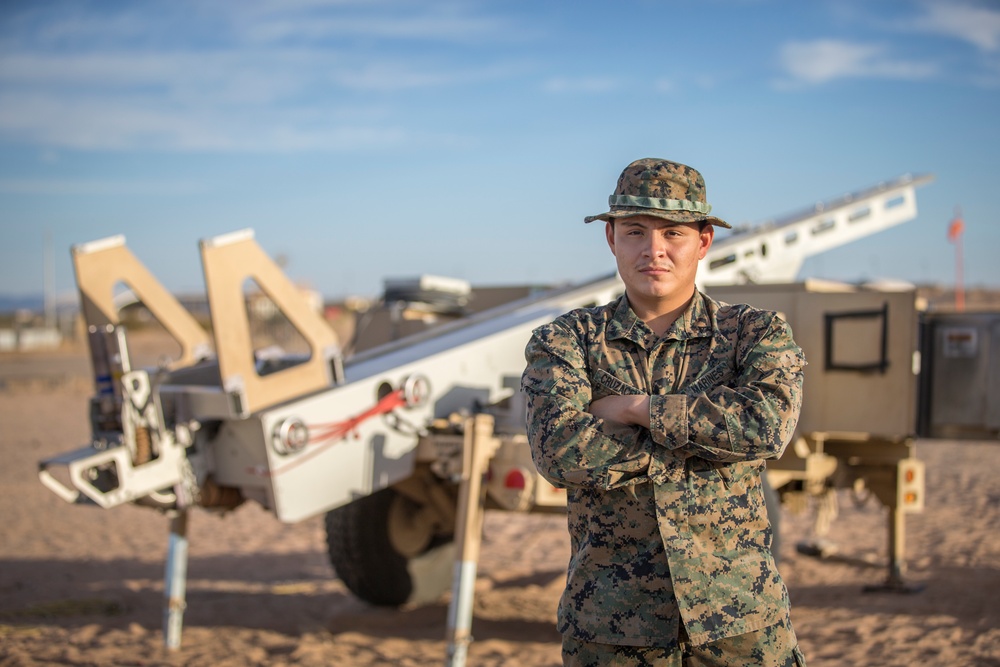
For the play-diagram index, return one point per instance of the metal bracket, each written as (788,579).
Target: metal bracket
(133,482)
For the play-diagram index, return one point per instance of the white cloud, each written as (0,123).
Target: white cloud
(453,28)
(142,77)
(389,76)
(119,123)
(275,20)
(824,60)
(978,25)
(587,85)
(262,22)
(663,85)
(229,77)
(221,101)
(76,28)
(96,188)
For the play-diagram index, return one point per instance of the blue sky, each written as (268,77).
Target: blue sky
(365,139)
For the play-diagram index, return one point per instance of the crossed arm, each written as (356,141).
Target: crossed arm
(603,443)
(632,409)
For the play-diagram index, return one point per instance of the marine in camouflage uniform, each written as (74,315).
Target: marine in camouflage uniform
(671,561)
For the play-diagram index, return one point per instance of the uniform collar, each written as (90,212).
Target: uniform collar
(695,322)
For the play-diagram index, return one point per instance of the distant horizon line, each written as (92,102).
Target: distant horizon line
(35,302)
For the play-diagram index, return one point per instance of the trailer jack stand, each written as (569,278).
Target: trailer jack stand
(175,581)
(478,447)
(894,582)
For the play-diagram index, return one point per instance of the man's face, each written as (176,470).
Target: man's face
(657,259)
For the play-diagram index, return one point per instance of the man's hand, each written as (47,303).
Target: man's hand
(631,409)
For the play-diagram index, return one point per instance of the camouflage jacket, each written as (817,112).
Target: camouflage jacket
(667,525)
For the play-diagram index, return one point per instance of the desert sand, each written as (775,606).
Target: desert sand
(84,586)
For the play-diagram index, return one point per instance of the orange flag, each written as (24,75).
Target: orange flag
(955,229)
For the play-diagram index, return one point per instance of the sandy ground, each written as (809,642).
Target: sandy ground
(84,586)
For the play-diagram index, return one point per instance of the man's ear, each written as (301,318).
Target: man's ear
(705,238)
(609,233)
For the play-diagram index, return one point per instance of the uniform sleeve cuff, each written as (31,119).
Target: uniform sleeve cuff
(668,421)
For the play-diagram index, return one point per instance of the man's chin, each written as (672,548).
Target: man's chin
(657,283)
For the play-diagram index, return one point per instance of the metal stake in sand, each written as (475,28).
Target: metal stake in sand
(478,447)
(175,580)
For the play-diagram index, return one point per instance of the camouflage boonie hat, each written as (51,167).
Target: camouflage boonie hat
(660,188)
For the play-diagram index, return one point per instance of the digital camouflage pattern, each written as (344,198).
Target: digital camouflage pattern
(773,646)
(669,533)
(652,186)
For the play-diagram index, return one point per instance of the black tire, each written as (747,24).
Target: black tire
(362,555)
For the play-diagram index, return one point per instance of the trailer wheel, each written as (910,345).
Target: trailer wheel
(362,552)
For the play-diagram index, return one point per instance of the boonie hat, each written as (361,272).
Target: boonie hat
(660,188)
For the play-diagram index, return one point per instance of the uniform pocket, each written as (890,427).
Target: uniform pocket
(727,473)
(735,472)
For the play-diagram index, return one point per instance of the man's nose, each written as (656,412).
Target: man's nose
(655,246)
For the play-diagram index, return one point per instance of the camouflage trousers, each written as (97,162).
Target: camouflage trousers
(773,646)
